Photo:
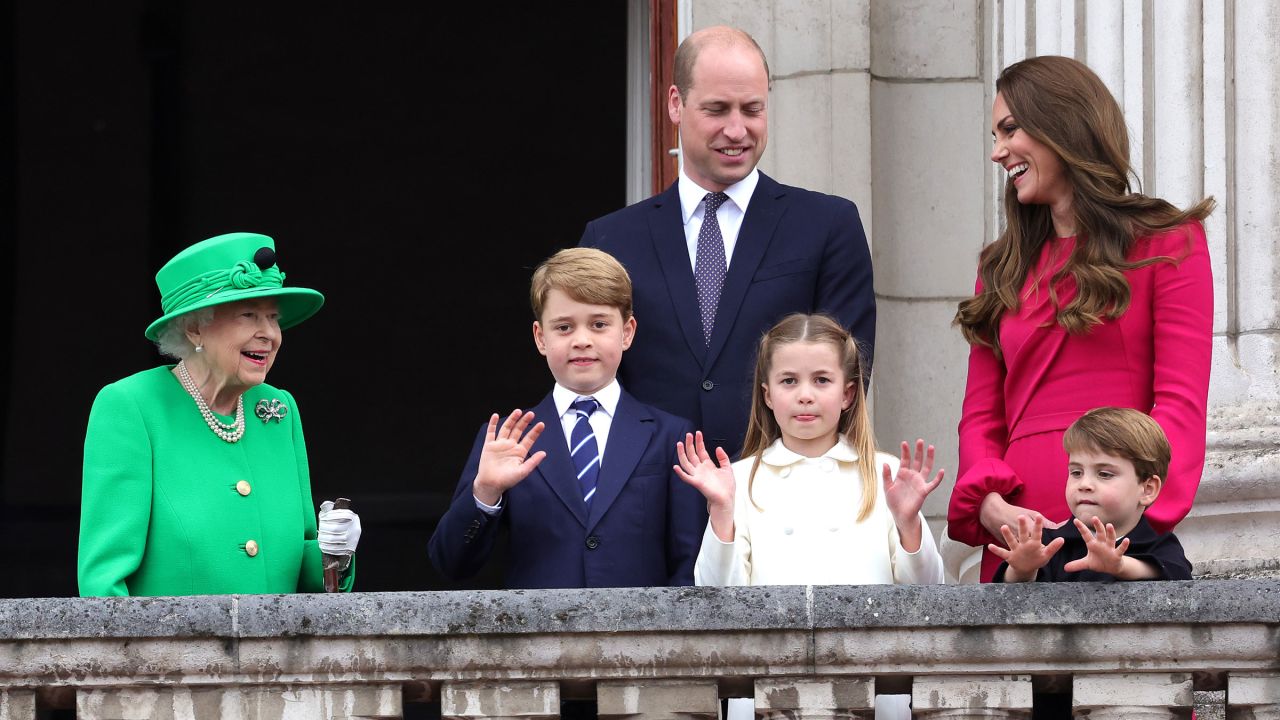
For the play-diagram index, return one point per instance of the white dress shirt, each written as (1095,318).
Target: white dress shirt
(805,530)
(730,214)
(601,419)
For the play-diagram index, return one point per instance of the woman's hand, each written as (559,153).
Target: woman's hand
(505,458)
(1026,555)
(996,513)
(339,530)
(906,491)
(715,482)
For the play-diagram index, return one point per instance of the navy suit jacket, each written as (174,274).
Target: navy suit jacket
(643,527)
(797,251)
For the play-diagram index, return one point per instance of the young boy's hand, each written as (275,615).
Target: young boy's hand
(905,492)
(1026,553)
(716,483)
(505,459)
(1106,556)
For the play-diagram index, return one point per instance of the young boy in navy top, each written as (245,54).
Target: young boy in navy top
(588,495)
(1117,459)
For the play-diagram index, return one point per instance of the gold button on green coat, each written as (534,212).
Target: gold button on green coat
(251,549)
(156,515)
(243,487)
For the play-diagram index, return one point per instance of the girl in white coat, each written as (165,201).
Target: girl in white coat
(803,506)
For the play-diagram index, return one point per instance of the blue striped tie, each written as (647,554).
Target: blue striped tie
(583,448)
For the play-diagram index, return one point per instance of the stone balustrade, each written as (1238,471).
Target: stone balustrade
(1132,650)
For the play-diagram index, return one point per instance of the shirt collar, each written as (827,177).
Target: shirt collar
(607,396)
(691,193)
(778,455)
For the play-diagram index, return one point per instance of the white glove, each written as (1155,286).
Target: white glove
(339,530)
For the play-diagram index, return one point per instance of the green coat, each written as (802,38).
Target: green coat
(162,512)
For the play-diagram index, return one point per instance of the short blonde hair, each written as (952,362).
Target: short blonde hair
(585,274)
(1123,432)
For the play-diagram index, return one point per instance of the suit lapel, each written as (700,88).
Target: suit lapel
(629,435)
(556,469)
(666,227)
(768,202)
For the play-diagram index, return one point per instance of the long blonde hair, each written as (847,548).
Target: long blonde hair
(1063,104)
(855,424)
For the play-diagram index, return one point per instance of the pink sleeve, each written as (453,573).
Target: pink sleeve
(1183,351)
(983,441)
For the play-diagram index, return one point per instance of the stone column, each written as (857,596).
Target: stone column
(658,700)
(971,697)
(246,702)
(496,699)
(1253,696)
(1229,531)
(17,705)
(1123,696)
(842,698)
(930,111)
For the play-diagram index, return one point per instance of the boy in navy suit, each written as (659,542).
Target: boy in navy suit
(588,495)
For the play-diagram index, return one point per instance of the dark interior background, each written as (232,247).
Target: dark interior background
(394,153)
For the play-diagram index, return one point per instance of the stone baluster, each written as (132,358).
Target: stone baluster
(830,698)
(971,697)
(327,702)
(1250,696)
(658,700)
(1125,696)
(494,700)
(17,705)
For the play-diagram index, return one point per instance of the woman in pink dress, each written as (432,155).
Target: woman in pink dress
(1092,295)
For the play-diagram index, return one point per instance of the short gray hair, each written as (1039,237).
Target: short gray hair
(172,338)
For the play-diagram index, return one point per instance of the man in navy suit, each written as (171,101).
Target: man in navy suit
(588,497)
(786,249)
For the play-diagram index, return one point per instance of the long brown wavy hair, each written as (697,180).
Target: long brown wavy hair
(1064,105)
(855,423)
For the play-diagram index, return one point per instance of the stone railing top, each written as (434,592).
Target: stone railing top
(644,610)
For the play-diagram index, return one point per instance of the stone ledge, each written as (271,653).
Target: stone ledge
(642,610)
(582,637)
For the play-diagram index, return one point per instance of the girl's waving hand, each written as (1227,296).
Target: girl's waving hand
(905,492)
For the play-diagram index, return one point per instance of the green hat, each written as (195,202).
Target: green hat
(227,268)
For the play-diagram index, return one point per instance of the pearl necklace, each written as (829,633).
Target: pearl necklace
(231,432)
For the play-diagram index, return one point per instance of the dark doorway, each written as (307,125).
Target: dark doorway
(413,162)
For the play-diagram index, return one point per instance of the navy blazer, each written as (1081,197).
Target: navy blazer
(643,528)
(797,251)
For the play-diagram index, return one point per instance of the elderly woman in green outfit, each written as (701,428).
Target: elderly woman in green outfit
(195,474)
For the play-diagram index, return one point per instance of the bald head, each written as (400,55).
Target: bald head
(718,35)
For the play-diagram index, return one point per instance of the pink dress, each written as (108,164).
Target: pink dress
(1155,358)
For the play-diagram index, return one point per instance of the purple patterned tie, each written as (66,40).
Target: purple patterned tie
(710,266)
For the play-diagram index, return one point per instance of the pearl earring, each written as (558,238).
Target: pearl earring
(200,348)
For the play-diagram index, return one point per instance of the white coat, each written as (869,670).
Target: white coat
(803,528)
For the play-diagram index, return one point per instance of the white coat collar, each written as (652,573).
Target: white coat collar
(778,455)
